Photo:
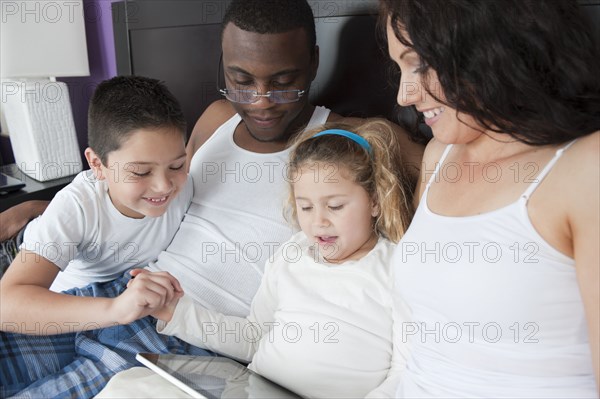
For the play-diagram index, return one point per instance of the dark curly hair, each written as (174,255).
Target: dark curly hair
(528,68)
(124,104)
(272,16)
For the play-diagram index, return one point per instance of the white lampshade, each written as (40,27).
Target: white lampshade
(42,38)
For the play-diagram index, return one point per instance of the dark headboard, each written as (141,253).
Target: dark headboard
(178,41)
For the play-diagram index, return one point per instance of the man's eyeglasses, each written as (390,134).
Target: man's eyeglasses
(252,96)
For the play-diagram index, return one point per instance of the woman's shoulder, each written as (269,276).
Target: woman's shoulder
(587,146)
(581,160)
(574,181)
(432,155)
(580,166)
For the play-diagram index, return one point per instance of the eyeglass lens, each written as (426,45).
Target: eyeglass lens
(251,96)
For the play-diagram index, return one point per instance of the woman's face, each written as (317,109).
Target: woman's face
(447,125)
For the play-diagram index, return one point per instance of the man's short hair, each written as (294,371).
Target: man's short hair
(124,104)
(272,16)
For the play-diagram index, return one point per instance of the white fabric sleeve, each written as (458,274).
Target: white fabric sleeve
(232,336)
(387,389)
(59,232)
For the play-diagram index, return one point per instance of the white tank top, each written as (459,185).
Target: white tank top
(497,311)
(234,223)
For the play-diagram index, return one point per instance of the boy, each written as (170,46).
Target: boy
(116,216)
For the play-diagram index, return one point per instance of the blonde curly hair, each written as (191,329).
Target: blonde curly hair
(380,173)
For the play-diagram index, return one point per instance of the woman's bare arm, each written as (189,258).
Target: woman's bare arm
(584,221)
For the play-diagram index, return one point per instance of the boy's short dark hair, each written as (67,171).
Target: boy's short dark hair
(124,104)
(272,16)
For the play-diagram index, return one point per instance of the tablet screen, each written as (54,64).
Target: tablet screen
(212,377)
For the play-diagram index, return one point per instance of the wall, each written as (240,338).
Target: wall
(101,56)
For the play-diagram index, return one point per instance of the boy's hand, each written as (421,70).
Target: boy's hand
(164,313)
(148,293)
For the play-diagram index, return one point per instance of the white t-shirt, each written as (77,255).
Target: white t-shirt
(318,329)
(83,234)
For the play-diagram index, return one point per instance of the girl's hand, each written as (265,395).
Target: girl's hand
(166,312)
(148,293)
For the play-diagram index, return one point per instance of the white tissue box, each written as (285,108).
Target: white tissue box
(42,131)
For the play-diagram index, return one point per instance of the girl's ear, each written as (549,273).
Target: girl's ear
(94,162)
(374,209)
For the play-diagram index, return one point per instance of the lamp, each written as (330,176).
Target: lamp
(40,40)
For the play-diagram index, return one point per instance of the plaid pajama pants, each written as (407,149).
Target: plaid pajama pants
(78,365)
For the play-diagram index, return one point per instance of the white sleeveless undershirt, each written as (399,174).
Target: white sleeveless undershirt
(234,223)
(497,310)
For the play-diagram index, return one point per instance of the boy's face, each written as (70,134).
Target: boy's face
(266,62)
(146,173)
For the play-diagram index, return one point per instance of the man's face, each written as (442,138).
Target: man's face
(267,62)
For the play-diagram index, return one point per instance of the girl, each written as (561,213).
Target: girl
(321,321)
(500,265)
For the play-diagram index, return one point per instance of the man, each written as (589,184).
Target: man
(237,156)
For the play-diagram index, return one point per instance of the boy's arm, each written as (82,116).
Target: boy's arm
(14,219)
(27,305)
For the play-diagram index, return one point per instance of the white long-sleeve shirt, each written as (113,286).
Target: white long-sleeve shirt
(318,329)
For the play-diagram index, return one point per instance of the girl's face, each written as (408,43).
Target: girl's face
(447,125)
(334,212)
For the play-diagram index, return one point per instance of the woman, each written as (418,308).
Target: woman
(500,265)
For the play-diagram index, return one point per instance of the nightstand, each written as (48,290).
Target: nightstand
(33,190)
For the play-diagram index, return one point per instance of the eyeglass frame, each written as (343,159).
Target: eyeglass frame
(255,95)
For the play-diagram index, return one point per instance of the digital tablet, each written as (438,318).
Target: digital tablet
(212,377)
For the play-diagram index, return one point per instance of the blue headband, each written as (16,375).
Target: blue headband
(352,136)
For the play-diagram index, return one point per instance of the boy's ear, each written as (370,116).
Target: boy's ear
(94,162)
